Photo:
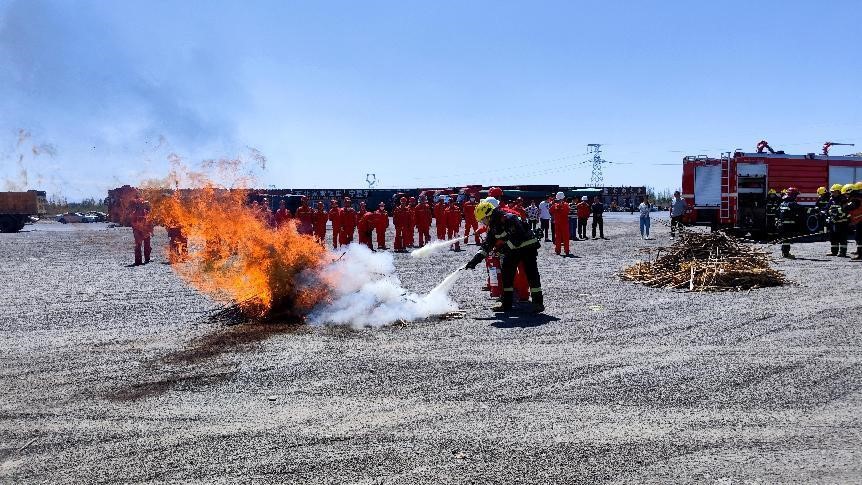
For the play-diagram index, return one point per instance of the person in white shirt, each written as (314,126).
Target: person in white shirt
(545,217)
(645,207)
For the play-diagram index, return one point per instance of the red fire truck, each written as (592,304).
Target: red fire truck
(730,191)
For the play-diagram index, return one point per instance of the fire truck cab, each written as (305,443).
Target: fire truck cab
(730,192)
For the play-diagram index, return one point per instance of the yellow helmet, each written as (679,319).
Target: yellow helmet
(483,209)
(821,190)
(858,185)
(771,192)
(847,188)
(835,188)
(783,191)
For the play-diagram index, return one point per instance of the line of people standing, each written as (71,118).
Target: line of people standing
(566,219)
(411,218)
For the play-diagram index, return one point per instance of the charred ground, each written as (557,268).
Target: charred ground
(112,373)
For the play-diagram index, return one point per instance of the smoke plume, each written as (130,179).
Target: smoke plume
(366,292)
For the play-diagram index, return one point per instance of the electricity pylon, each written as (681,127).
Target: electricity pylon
(596,151)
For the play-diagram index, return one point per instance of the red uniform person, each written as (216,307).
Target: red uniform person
(178,244)
(518,207)
(306,219)
(360,227)
(142,230)
(560,215)
(410,224)
(440,218)
(470,221)
(282,215)
(400,217)
(365,228)
(422,213)
(453,223)
(335,219)
(348,222)
(381,223)
(318,221)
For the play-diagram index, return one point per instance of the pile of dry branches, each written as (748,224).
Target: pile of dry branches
(706,262)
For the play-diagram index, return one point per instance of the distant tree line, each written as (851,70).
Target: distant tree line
(59,205)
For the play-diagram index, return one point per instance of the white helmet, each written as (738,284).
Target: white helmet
(493,201)
(585,198)
(561,196)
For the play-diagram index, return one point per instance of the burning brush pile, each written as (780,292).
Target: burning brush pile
(265,273)
(706,262)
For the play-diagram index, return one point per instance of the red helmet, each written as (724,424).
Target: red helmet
(792,191)
(412,199)
(402,200)
(495,192)
(304,198)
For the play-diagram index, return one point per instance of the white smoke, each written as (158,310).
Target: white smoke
(432,247)
(368,293)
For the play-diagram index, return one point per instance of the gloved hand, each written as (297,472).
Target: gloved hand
(475,261)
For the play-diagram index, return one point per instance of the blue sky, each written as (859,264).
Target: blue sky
(421,93)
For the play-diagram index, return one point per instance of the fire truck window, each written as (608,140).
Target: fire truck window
(841,175)
(707,185)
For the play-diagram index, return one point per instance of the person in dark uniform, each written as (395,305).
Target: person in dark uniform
(788,223)
(511,235)
(838,222)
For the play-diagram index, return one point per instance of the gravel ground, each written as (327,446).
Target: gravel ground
(114,373)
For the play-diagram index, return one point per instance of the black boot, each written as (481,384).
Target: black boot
(506,302)
(785,252)
(538,302)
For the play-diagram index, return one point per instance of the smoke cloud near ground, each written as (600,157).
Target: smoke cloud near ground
(366,292)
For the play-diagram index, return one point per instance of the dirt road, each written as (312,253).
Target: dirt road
(112,373)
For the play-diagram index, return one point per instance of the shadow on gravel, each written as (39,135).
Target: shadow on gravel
(191,365)
(520,320)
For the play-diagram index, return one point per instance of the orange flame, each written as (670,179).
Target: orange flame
(234,254)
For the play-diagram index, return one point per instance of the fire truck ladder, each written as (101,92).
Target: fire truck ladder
(724,211)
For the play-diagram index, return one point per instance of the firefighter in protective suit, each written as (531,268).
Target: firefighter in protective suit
(788,223)
(839,222)
(773,200)
(512,236)
(854,210)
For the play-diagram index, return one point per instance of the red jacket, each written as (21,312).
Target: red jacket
(440,213)
(400,216)
(281,216)
(348,219)
(319,218)
(306,219)
(423,215)
(583,210)
(366,222)
(560,212)
(381,221)
(453,217)
(469,211)
(335,218)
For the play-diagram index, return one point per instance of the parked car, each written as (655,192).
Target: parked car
(99,216)
(90,217)
(70,217)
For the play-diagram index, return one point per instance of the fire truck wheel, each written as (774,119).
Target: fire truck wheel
(812,223)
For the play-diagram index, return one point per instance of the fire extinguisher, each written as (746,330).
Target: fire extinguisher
(495,275)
